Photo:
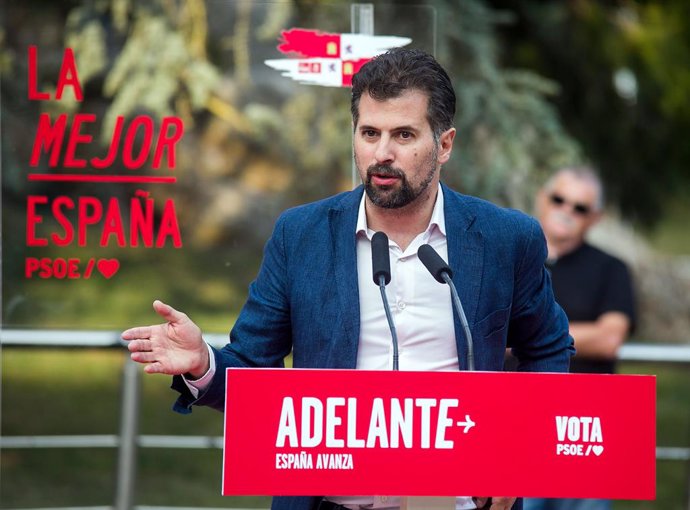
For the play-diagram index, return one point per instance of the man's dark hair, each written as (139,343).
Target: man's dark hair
(390,74)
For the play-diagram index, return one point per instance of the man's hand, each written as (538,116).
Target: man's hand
(496,503)
(173,348)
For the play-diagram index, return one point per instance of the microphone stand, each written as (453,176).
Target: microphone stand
(463,320)
(443,274)
(389,318)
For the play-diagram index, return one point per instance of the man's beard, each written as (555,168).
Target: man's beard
(400,194)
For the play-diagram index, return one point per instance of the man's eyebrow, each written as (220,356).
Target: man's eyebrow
(406,128)
(397,128)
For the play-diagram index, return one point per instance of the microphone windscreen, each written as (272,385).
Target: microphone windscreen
(380,258)
(433,262)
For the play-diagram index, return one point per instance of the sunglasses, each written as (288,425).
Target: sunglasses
(578,208)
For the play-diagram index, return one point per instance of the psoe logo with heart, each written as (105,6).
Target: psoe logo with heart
(579,436)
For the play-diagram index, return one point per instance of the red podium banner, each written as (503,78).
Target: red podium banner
(354,432)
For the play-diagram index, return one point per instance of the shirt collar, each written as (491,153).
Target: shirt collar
(437,220)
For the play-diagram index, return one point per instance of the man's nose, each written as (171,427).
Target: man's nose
(384,151)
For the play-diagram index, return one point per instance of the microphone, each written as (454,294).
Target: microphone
(380,258)
(381,270)
(443,274)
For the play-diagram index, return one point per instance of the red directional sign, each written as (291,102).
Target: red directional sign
(328,59)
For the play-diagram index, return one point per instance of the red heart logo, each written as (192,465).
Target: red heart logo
(108,267)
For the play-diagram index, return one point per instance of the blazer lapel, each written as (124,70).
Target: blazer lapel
(466,259)
(343,222)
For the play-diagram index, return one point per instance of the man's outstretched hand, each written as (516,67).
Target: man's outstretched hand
(173,348)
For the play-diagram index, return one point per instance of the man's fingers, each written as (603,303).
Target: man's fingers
(143,357)
(167,312)
(134,333)
(139,345)
(157,346)
(154,368)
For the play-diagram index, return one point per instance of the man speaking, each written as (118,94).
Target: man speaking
(314,294)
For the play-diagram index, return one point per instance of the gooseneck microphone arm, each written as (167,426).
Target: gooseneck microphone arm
(394,335)
(381,266)
(443,274)
(463,321)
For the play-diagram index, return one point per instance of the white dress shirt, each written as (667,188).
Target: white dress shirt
(421,307)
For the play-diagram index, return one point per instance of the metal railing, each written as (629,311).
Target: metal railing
(128,439)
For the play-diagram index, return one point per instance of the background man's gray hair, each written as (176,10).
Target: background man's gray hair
(584,173)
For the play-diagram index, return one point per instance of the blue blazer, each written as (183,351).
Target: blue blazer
(305,299)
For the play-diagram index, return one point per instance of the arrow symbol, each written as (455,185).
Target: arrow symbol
(468,423)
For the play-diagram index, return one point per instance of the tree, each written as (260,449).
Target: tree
(623,72)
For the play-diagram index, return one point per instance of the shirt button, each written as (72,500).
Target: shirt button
(401,305)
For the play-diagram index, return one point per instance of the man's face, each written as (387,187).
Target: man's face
(568,209)
(395,152)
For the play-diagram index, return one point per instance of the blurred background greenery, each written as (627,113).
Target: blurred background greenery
(540,84)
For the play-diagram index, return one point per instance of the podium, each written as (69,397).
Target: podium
(439,434)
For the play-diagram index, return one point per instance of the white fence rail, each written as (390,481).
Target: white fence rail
(128,440)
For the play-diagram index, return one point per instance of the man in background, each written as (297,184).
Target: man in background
(593,288)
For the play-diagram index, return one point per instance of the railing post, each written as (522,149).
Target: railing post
(129,420)
(361,22)
(687,488)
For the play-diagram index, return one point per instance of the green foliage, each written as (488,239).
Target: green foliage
(634,132)
(87,37)
(160,68)
(659,36)
(253,146)
(509,133)
(671,235)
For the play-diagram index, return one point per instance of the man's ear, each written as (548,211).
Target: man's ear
(445,145)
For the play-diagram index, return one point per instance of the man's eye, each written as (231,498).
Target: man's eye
(405,135)
(369,133)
